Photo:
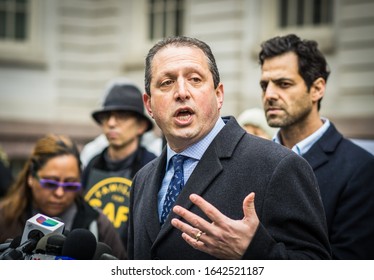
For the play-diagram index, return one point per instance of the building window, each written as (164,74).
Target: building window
(309,19)
(304,12)
(165,18)
(13,19)
(21,40)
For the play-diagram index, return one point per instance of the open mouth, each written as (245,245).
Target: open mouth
(183,115)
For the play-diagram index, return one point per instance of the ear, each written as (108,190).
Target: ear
(318,89)
(220,95)
(147,104)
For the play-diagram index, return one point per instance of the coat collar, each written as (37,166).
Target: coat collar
(319,152)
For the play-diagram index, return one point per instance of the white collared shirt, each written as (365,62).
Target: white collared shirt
(303,146)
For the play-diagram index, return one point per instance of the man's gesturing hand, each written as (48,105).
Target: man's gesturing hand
(222,238)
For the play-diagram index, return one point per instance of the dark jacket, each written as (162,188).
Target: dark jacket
(288,204)
(107,185)
(345,174)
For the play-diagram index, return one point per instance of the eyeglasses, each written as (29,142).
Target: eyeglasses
(118,115)
(54,185)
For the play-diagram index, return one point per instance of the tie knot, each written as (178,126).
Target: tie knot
(177,161)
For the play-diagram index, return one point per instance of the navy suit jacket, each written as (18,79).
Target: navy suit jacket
(287,202)
(345,174)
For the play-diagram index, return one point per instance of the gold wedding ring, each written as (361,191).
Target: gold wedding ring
(198,235)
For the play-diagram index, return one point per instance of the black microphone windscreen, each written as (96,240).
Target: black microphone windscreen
(80,245)
(66,232)
(41,246)
(29,245)
(55,244)
(35,234)
(8,247)
(15,242)
(101,248)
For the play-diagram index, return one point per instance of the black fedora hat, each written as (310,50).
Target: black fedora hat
(124,97)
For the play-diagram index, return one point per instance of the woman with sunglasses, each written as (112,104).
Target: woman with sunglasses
(50,184)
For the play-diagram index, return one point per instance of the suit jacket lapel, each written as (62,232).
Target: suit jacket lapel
(318,154)
(152,222)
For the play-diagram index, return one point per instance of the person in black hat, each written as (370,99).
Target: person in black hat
(108,176)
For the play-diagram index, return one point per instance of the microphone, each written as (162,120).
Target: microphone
(43,224)
(49,248)
(55,244)
(30,244)
(41,246)
(80,244)
(66,232)
(107,256)
(15,242)
(36,227)
(101,248)
(12,245)
(8,240)
(14,254)
(6,244)
(50,244)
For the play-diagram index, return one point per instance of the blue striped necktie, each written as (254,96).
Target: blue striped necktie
(175,186)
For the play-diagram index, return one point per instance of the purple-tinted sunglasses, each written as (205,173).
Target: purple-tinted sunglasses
(53,185)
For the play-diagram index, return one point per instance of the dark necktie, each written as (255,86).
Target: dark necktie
(175,186)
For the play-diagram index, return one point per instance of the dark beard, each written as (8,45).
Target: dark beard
(288,120)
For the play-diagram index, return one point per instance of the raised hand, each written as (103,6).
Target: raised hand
(222,238)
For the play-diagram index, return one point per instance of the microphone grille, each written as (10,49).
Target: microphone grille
(80,244)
